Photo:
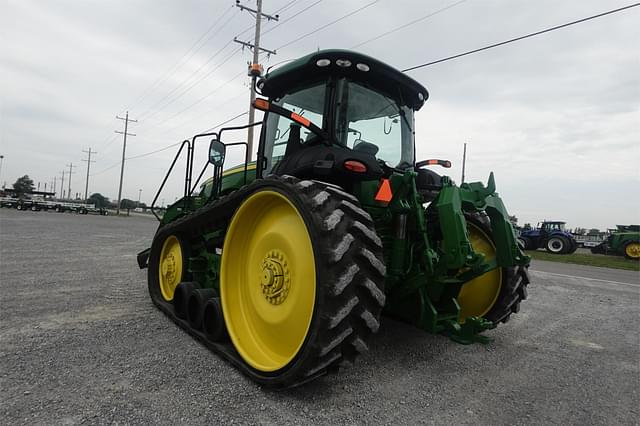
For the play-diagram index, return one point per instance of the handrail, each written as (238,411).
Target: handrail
(218,135)
(153,203)
(188,188)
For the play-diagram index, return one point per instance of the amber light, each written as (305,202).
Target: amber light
(261,104)
(355,166)
(300,119)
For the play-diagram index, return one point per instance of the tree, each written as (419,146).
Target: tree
(527,227)
(23,185)
(513,219)
(127,204)
(99,200)
(594,231)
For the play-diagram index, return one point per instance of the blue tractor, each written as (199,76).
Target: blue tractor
(549,235)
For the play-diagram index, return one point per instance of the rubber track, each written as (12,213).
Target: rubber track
(352,286)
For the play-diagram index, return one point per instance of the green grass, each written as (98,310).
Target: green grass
(600,260)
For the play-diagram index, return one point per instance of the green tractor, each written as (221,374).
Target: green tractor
(624,241)
(284,266)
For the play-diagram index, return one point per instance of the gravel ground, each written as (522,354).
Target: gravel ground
(80,342)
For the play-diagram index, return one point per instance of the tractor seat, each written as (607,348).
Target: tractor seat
(366,147)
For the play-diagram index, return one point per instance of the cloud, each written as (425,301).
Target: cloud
(554,116)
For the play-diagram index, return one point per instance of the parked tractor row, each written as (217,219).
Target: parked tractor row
(50,205)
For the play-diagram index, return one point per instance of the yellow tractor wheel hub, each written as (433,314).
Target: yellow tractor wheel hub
(170,270)
(268,281)
(632,250)
(479,295)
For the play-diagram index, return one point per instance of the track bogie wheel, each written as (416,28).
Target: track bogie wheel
(168,262)
(632,250)
(301,280)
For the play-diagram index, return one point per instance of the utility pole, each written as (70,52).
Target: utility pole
(62,186)
(55,185)
(70,166)
(255,69)
(89,161)
(139,194)
(1,160)
(124,148)
(464,160)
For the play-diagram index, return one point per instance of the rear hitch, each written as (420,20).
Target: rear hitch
(469,332)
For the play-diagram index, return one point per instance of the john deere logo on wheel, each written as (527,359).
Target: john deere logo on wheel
(169,268)
(276,279)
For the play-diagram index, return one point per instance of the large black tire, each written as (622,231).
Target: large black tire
(557,244)
(525,243)
(572,246)
(350,272)
(514,281)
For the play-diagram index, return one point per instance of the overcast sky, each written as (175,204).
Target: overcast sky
(556,117)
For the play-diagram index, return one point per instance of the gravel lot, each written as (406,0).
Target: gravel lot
(80,342)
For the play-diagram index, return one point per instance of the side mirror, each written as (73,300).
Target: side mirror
(217,152)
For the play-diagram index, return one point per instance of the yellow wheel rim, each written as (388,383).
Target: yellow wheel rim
(633,250)
(268,281)
(477,296)
(170,270)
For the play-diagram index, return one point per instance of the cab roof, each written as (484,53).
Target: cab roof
(322,64)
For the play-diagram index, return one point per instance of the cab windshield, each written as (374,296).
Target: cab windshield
(307,102)
(369,121)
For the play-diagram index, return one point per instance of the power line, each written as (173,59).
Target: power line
(184,82)
(146,154)
(184,59)
(291,17)
(217,106)
(205,96)
(285,7)
(105,170)
(328,24)
(225,122)
(415,21)
(491,46)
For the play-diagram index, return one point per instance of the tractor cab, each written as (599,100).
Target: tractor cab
(338,116)
(550,227)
